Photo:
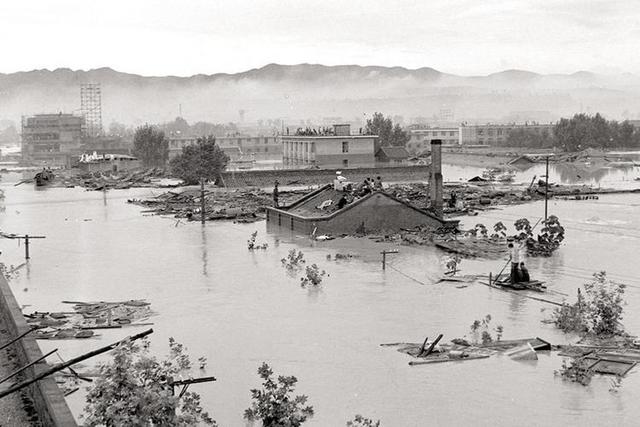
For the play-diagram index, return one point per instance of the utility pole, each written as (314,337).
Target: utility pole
(546,189)
(26,238)
(202,205)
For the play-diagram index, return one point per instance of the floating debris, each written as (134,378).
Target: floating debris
(87,317)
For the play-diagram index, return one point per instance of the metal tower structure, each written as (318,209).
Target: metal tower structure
(91,107)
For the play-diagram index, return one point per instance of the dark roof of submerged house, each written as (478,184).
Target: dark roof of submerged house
(306,207)
(524,159)
(395,153)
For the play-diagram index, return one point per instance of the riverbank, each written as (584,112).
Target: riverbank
(41,403)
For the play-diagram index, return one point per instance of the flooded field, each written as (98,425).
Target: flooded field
(239,308)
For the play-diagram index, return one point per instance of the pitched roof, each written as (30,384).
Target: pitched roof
(394,152)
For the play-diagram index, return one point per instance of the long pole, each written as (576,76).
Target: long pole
(60,366)
(546,189)
(13,374)
(202,205)
(26,246)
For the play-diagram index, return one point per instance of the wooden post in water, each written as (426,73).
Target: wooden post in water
(546,188)
(26,238)
(202,205)
(384,257)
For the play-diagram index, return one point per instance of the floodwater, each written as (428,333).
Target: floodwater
(240,308)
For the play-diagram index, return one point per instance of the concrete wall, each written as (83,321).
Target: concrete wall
(47,397)
(266,178)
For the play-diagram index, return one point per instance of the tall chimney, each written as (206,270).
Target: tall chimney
(435,179)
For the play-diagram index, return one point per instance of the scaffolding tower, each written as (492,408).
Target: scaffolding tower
(91,107)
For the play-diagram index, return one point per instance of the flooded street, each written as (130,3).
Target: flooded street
(240,308)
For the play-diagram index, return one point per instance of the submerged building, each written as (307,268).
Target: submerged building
(339,208)
(53,139)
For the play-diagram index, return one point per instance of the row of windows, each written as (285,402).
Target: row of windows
(435,133)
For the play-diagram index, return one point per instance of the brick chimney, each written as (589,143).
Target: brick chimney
(435,178)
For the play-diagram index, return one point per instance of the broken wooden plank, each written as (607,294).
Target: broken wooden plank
(442,360)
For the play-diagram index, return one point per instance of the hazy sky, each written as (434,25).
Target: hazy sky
(160,37)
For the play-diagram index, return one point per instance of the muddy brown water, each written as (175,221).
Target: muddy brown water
(240,308)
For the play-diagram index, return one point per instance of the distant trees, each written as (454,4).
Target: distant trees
(388,133)
(531,138)
(151,146)
(180,126)
(585,131)
(202,160)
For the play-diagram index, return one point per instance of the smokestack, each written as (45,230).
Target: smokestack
(435,180)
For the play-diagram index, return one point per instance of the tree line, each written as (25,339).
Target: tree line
(578,133)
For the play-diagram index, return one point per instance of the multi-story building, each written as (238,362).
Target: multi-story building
(421,138)
(329,148)
(495,134)
(259,147)
(54,139)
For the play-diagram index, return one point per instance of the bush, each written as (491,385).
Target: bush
(293,261)
(134,390)
(313,276)
(576,371)
(360,421)
(274,405)
(599,312)
(251,243)
(480,331)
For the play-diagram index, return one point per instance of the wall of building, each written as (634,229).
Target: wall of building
(329,151)
(51,138)
(421,138)
(267,147)
(266,178)
(48,399)
(495,134)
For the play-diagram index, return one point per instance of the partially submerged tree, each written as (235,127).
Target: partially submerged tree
(360,421)
(151,146)
(598,312)
(274,404)
(134,390)
(204,160)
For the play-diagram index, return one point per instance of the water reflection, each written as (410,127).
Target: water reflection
(205,257)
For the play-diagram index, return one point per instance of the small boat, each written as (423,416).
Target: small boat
(44,177)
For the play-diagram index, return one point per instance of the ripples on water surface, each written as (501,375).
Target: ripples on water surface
(239,308)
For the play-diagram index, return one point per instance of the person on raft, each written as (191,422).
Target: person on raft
(514,253)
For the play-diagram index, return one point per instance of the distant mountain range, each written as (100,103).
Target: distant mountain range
(302,91)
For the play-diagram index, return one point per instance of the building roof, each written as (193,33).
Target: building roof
(396,153)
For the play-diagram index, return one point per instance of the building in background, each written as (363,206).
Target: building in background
(496,134)
(329,147)
(420,140)
(392,156)
(52,139)
(236,147)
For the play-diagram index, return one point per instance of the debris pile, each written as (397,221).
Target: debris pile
(88,316)
(113,180)
(240,205)
(459,350)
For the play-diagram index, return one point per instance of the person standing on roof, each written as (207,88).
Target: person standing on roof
(276,195)
(378,184)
